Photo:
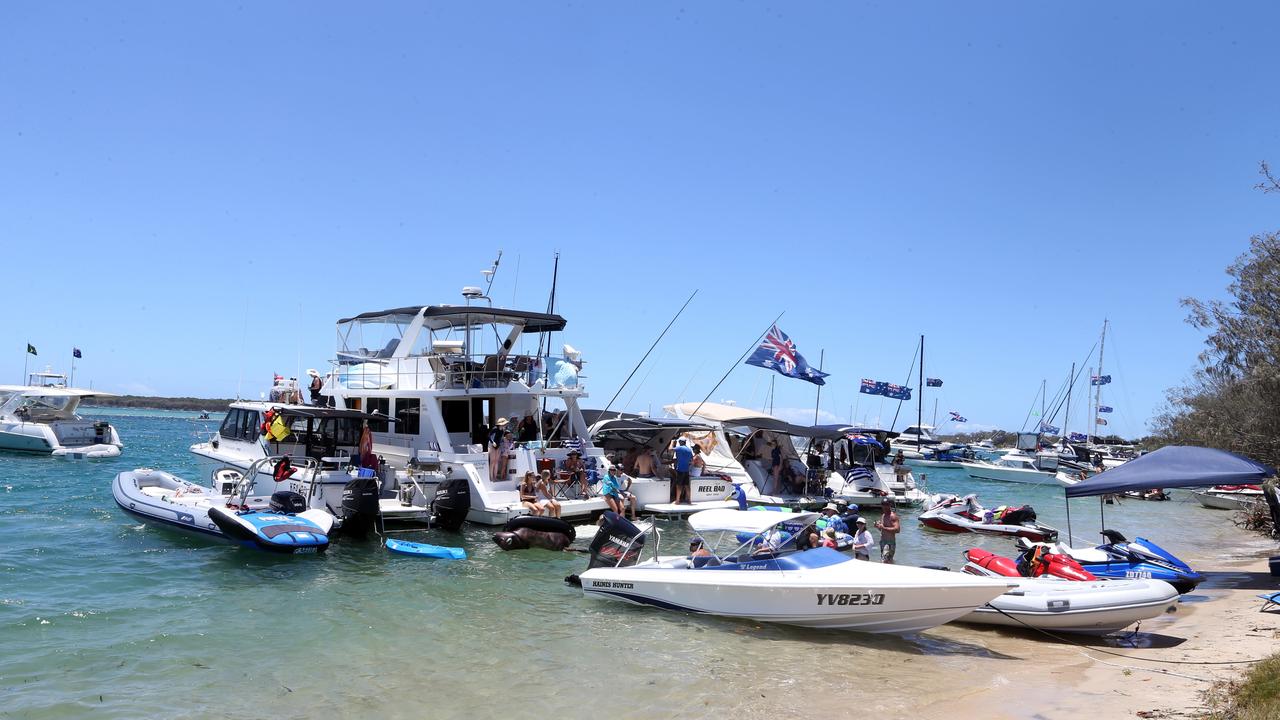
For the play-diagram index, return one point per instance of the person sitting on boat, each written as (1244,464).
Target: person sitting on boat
(829,538)
(615,495)
(698,547)
(862,541)
(550,504)
(529,494)
(577,472)
(899,466)
(809,538)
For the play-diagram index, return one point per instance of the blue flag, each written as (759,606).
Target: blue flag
(1047,428)
(75,352)
(1099,379)
(1104,408)
(1078,437)
(933,382)
(777,352)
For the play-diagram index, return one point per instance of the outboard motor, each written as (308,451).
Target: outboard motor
(360,509)
(613,545)
(451,503)
(287,502)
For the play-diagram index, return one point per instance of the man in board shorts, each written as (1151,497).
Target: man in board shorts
(889,527)
(684,458)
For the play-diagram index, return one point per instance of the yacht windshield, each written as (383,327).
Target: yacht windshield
(39,407)
(373,338)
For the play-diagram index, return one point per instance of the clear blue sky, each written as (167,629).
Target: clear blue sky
(194,194)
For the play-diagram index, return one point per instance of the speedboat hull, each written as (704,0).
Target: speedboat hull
(1228,500)
(1096,607)
(988,471)
(815,588)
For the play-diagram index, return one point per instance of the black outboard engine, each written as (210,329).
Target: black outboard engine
(360,509)
(287,502)
(1019,516)
(451,503)
(613,545)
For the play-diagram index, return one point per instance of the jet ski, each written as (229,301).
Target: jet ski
(287,527)
(1054,601)
(949,513)
(1141,559)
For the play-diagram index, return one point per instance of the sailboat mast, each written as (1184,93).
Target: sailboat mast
(1071,381)
(822,354)
(1097,395)
(920,397)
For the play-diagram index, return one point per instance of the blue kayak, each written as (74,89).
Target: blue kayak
(424,550)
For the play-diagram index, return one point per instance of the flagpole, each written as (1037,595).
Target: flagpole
(818,400)
(754,344)
(72,383)
(920,397)
(26,358)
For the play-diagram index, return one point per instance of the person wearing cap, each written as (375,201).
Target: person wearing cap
(862,541)
(316,384)
(889,526)
(698,547)
(847,513)
(683,461)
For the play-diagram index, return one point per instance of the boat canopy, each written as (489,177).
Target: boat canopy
(1175,466)
(718,412)
(751,521)
(51,391)
(438,317)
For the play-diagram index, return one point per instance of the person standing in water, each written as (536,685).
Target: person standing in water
(889,526)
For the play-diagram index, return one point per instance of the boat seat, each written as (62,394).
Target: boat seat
(155,491)
(676,564)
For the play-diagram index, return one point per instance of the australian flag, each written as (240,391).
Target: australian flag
(957,417)
(871,387)
(897,392)
(933,382)
(777,352)
(1047,428)
(1078,437)
(1104,408)
(75,352)
(1099,379)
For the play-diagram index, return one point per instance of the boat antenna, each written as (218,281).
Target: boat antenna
(920,397)
(491,272)
(646,355)
(545,352)
(909,371)
(754,344)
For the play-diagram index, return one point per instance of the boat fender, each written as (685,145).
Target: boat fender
(542,524)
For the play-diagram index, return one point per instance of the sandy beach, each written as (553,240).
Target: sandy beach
(1219,622)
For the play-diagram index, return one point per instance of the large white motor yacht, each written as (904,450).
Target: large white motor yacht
(41,418)
(1013,466)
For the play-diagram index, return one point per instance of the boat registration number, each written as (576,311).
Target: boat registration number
(303,550)
(850,598)
(1138,574)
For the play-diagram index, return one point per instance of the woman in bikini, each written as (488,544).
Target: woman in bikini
(528,490)
(544,486)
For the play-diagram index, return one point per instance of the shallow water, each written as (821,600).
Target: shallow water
(100,613)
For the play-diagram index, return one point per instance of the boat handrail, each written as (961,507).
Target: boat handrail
(451,370)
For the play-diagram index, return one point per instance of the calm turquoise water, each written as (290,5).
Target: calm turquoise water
(101,614)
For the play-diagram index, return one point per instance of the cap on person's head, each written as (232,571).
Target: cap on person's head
(862,521)
(575,452)
(501,421)
(695,540)
(680,441)
(886,503)
(832,507)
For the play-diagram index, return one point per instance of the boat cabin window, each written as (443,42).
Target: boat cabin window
(381,406)
(241,424)
(408,412)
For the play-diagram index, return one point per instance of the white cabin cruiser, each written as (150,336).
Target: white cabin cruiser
(41,418)
(764,578)
(742,443)
(1013,466)
(447,379)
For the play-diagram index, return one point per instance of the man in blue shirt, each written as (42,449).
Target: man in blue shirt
(684,457)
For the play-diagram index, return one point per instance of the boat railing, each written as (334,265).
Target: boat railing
(456,370)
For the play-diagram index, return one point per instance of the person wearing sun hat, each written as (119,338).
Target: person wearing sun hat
(496,460)
(831,518)
(317,383)
(829,538)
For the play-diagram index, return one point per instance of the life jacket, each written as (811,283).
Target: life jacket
(284,470)
(267,417)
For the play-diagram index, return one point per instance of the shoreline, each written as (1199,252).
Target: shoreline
(1058,680)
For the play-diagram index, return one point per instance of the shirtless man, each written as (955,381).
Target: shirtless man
(646,464)
(889,527)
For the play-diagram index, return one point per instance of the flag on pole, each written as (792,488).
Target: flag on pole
(1047,428)
(75,352)
(870,387)
(1104,408)
(933,382)
(1101,421)
(1099,379)
(778,353)
(31,349)
(1078,437)
(956,417)
(889,390)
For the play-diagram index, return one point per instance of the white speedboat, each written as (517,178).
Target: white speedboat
(950,513)
(1230,497)
(1090,606)
(1015,466)
(41,418)
(763,579)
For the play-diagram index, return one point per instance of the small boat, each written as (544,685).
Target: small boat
(287,527)
(1121,558)
(1015,466)
(765,579)
(1230,497)
(40,418)
(423,550)
(165,499)
(949,513)
(1078,606)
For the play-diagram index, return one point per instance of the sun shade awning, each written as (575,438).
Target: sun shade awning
(752,521)
(1175,466)
(443,316)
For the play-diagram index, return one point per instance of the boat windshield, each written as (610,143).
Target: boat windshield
(38,408)
(375,338)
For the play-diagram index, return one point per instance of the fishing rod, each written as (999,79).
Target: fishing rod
(754,344)
(646,354)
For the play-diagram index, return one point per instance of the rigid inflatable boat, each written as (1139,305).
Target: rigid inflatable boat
(949,513)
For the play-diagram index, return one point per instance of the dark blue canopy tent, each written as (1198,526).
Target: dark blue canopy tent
(1175,466)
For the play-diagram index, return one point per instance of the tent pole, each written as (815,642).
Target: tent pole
(1102,510)
(1067,500)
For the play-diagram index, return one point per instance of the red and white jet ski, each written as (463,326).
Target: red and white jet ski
(949,513)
